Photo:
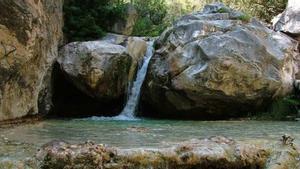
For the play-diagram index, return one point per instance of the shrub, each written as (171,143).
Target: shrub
(151,17)
(262,9)
(281,109)
(89,19)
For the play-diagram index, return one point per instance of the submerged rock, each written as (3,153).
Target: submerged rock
(218,63)
(30,32)
(215,152)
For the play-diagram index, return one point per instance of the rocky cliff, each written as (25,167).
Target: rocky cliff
(30,31)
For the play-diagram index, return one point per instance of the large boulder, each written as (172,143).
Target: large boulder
(98,68)
(30,32)
(218,63)
(102,68)
(97,75)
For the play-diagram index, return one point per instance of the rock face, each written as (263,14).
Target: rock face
(101,69)
(218,64)
(30,32)
(289,20)
(289,23)
(216,152)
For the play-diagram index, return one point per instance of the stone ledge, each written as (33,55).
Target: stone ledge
(215,152)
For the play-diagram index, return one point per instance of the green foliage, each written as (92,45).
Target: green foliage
(281,109)
(151,17)
(223,10)
(90,19)
(245,18)
(292,101)
(262,9)
(145,27)
(87,20)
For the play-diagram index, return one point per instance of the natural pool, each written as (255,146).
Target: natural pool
(23,141)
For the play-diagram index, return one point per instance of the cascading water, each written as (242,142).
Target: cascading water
(134,93)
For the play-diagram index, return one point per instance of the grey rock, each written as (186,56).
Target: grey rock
(218,67)
(289,20)
(98,68)
(103,69)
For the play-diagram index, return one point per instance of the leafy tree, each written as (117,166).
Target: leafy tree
(151,17)
(88,20)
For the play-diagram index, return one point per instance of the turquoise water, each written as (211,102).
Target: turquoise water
(22,141)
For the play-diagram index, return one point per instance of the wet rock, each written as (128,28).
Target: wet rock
(218,64)
(63,155)
(284,155)
(216,152)
(137,129)
(30,32)
(137,48)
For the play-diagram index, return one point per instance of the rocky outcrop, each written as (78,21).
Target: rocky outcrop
(30,32)
(218,63)
(216,152)
(289,23)
(289,20)
(102,69)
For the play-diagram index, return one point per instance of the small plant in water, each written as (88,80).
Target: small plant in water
(287,140)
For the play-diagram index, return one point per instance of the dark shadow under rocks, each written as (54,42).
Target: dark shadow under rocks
(69,101)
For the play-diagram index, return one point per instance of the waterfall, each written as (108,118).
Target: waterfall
(135,90)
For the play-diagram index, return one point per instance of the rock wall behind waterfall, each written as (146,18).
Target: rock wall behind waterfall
(30,31)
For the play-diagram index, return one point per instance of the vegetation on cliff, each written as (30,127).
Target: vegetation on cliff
(90,19)
(87,20)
